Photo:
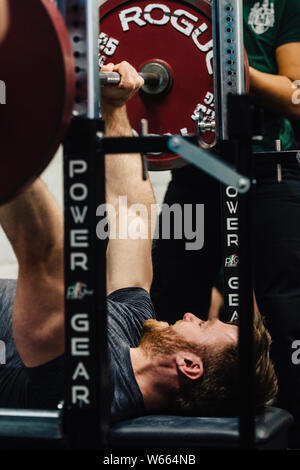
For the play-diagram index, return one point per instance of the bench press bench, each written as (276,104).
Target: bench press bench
(42,429)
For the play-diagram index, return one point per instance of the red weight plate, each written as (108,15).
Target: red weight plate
(37,68)
(179,33)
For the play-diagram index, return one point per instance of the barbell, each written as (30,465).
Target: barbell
(169,43)
(157,76)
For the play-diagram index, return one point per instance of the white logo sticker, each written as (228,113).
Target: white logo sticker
(262,17)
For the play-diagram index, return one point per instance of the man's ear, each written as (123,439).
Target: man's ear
(189,364)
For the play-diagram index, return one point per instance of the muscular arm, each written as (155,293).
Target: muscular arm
(129,261)
(274,92)
(33,223)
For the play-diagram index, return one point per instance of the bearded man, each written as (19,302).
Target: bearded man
(190,366)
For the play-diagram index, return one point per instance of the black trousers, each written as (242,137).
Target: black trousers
(277,281)
(183,279)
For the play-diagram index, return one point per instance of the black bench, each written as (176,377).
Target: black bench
(43,429)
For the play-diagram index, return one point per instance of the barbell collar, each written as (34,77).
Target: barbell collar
(162,69)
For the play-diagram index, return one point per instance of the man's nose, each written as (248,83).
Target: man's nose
(190,317)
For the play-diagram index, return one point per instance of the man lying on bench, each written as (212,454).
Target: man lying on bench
(189,367)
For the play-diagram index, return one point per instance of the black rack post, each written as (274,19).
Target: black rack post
(87,384)
(87,392)
(234,145)
(240,126)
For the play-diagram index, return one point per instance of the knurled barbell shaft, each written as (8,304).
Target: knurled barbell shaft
(114,78)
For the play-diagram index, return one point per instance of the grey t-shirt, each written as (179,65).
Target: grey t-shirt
(43,386)
(128,309)
(7,294)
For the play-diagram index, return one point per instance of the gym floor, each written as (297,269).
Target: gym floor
(53,177)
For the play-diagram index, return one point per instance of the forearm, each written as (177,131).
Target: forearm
(274,93)
(124,172)
(131,208)
(33,223)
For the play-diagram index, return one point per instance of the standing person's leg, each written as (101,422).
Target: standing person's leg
(277,280)
(183,278)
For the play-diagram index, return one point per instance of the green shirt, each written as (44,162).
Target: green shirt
(269,24)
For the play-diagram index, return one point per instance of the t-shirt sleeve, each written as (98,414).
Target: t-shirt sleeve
(7,296)
(289,30)
(128,309)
